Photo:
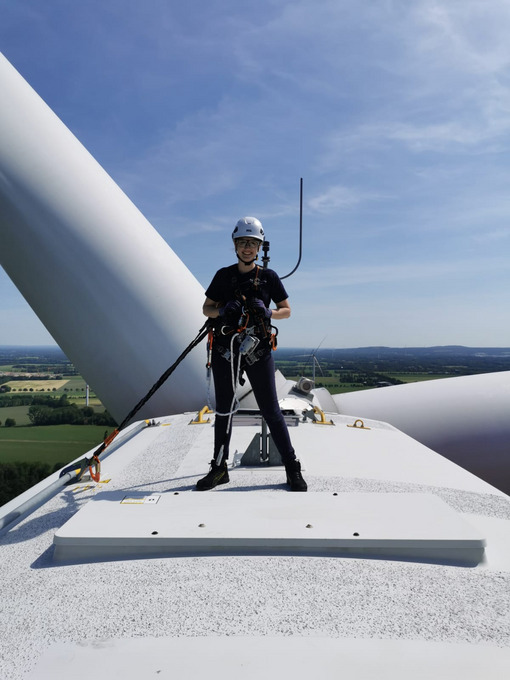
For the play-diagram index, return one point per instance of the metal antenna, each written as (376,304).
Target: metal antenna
(265,250)
(300,229)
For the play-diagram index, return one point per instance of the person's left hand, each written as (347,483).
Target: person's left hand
(259,307)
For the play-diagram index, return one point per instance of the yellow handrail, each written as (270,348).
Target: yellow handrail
(360,426)
(323,420)
(199,420)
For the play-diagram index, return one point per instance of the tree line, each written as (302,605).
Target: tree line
(19,399)
(49,410)
(52,411)
(18,477)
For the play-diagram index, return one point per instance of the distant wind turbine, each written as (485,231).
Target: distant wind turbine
(314,359)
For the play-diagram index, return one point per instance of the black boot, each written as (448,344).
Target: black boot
(217,475)
(294,477)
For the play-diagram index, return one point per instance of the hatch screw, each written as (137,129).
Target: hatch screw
(154,533)
(355,533)
(309,526)
(201,525)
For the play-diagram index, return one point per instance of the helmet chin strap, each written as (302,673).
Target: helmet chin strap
(244,261)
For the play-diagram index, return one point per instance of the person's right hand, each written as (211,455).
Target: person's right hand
(231,308)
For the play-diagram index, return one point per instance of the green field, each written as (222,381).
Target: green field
(73,386)
(50,444)
(417,377)
(19,413)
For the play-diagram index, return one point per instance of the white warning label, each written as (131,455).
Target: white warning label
(140,500)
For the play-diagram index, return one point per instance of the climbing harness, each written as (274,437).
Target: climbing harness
(245,345)
(93,463)
(256,325)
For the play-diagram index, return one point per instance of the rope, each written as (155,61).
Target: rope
(234,404)
(93,462)
(201,335)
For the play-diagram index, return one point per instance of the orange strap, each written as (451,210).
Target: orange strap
(96,472)
(110,438)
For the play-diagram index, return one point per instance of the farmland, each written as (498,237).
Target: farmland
(29,372)
(52,444)
(43,379)
(348,370)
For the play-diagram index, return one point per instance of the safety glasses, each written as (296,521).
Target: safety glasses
(246,243)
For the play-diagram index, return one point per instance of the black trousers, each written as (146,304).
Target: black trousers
(262,380)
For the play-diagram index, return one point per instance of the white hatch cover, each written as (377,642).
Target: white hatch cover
(252,658)
(419,527)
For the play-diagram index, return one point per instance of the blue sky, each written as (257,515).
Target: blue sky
(395,112)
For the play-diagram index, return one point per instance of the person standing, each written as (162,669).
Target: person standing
(238,303)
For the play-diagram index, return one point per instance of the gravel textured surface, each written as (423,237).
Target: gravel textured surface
(43,603)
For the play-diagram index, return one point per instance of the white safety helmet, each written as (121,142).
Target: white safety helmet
(248,227)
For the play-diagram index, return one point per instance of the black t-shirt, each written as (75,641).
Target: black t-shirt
(264,284)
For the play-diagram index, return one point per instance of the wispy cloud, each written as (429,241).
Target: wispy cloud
(395,113)
(434,272)
(336,198)
(471,35)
